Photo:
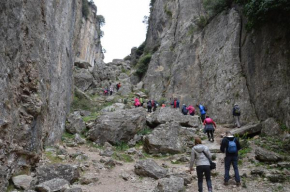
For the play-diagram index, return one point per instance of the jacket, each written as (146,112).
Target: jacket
(225,144)
(190,109)
(184,110)
(198,157)
(202,111)
(234,113)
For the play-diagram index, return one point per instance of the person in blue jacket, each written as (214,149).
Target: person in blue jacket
(202,110)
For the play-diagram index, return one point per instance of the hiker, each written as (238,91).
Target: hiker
(154,105)
(118,86)
(184,109)
(111,90)
(163,105)
(200,155)
(149,106)
(231,145)
(191,110)
(175,103)
(202,110)
(137,102)
(237,114)
(209,127)
(105,92)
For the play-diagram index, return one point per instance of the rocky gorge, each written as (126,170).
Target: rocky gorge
(59,132)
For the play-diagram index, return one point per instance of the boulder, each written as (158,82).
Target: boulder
(167,114)
(149,168)
(140,85)
(22,181)
(168,138)
(75,123)
(82,64)
(114,107)
(48,172)
(83,79)
(277,177)
(248,129)
(88,179)
(53,185)
(267,156)
(79,140)
(186,177)
(118,126)
(74,190)
(271,128)
(171,184)
(125,89)
(141,94)
(135,140)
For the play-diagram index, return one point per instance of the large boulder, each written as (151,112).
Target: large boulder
(167,114)
(168,138)
(53,185)
(171,184)
(82,64)
(75,123)
(271,128)
(149,168)
(22,181)
(118,126)
(248,129)
(48,172)
(83,79)
(114,107)
(267,156)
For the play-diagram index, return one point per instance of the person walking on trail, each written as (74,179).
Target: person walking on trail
(149,106)
(209,128)
(231,145)
(191,110)
(111,90)
(184,109)
(154,105)
(137,102)
(200,155)
(118,86)
(202,110)
(237,114)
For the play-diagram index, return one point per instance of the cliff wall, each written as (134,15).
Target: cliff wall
(39,41)
(217,64)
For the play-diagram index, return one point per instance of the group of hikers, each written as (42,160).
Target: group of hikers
(151,104)
(109,90)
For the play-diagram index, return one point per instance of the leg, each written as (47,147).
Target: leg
(238,122)
(207,177)
(199,171)
(227,168)
(211,132)
(235,166)
(208,134)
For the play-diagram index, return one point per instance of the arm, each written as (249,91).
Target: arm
(214,124)
(223,146)
(192,159)
(208,153)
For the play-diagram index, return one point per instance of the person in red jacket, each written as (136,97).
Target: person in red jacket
(209,127)
(191,110)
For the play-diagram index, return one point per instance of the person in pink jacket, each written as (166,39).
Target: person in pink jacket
(191,110)
(137,102)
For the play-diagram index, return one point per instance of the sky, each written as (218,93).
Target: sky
(123,28)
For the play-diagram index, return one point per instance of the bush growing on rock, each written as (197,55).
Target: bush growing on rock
(142,66)
(85,9)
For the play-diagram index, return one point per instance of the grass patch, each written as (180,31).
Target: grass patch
(122,146)
(123,157)
(10,188)
(67,135)
(145,131)
(243,152)
(91,117)
(53,159)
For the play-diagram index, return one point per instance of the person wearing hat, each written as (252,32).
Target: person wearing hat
(236,115)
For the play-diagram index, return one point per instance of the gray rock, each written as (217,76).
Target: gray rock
(248,129)
(188,178)
(107,152)
(167,114)
(284,165)
(74,190)
(171,184)
(135,140)
(48,172)
(88,179)
(140,85)
(149,168)
(83,79)
(79,140)
(276,177)
(82,64)
(271,128)
(114,107)
(22,181)
(75,123)
(259,172)
(119,126)
(53,185)
(264,155)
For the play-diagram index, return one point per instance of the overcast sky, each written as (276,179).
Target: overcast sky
(124,28)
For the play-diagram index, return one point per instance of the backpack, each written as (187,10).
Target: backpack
(237,110)
(184,110)
(204,107)
(152,103)
(232,147)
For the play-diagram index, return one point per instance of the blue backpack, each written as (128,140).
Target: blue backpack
(232,147)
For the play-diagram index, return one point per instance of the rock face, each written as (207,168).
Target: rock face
(168,138)
(167,114)
(149,168)
(83,79)
(53,185)
(119,126)
(171,184)
(39,43)
(218,65)
(48,172)
(271,128)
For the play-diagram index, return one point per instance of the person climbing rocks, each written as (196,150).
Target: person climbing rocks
(137,102)
(163,105)
(149,106)
(202,111)
(118,86)
(141,101)
(209,128)
(200,155)
(111,90)
(184,109)
(154,105)
(237,114)
(231,145)
(175,103)
(191,110)
(105,92)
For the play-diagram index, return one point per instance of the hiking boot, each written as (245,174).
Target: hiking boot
(226,183)
(238,184)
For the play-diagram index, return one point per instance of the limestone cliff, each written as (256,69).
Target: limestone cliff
(39,42)
(219,64)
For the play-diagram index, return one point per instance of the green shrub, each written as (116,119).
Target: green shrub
(162,100)
(145,131)
(101,20)
(85,9)
(142,65)
(167,11)
(140,49)
(214,7)
(202,22)
(122,146)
